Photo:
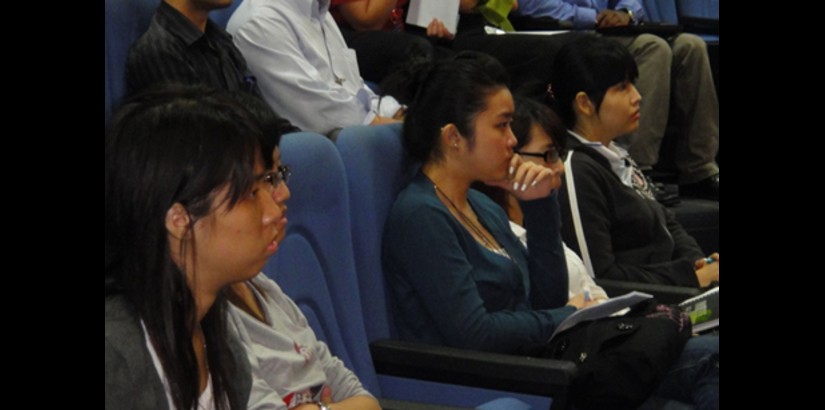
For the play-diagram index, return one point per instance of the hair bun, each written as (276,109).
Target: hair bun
(406,83)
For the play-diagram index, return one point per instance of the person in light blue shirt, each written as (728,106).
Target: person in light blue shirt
(677,69)
(583,13)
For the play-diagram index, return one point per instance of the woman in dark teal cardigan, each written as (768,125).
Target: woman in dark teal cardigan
(458,275)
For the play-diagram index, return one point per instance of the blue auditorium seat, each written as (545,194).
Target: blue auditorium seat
(125,22)
(662,11)
(700,17)
(316,257)
(699,8)
(221,16)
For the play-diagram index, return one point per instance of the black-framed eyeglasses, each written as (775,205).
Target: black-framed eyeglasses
(550,156)
(274,178)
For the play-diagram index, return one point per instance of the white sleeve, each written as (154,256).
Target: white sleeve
(578,277)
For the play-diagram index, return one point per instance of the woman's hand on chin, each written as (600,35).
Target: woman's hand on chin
(527,180)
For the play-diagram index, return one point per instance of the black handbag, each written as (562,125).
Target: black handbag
(621,359)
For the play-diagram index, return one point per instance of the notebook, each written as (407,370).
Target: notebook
(611,307)
(703,310)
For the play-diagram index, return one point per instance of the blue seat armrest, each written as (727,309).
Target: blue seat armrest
(663,293)
(520,374)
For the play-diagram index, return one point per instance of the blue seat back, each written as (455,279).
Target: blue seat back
(221,16)
(378,167)
(708,9)
(679,12)
(315,264)
(661,11)
(125,22)
(296,269)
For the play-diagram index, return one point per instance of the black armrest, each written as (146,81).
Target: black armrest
(663,293)
(527,23)
(700,25)
(521,374)
(389,404)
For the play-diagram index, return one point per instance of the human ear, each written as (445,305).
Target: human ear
(177,221)
(450,137)
(583,104)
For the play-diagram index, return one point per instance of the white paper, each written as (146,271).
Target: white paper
(494,31)
(540,33)
(422,12)
(608,308)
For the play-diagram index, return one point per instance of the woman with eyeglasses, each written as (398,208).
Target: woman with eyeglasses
(541,138)
(187,213)
(193,160)
(458,275)
(291,368)
(617,226)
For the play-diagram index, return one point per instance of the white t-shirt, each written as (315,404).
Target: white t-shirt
(576,273)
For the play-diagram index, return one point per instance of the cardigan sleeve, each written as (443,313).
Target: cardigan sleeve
(548,265)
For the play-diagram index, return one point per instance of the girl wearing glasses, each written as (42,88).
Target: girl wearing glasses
(623,233)
(457,273)
(291,368)
(187,213)
(192,158)
(533,124)
(542,139)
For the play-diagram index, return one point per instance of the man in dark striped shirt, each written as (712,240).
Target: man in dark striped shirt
(183,45)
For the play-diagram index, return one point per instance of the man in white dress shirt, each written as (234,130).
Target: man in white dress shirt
(303,66)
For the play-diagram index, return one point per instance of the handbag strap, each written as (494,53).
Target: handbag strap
(574,211)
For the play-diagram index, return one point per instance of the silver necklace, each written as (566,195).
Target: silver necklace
(487,242)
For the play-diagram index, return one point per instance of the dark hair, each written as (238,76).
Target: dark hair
(270,123)
(591,64)
(172,145)
(529,112)
(452,90)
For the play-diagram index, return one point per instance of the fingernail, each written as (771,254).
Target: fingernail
(523,187)
(534,183)
(515,186)
(512,170)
